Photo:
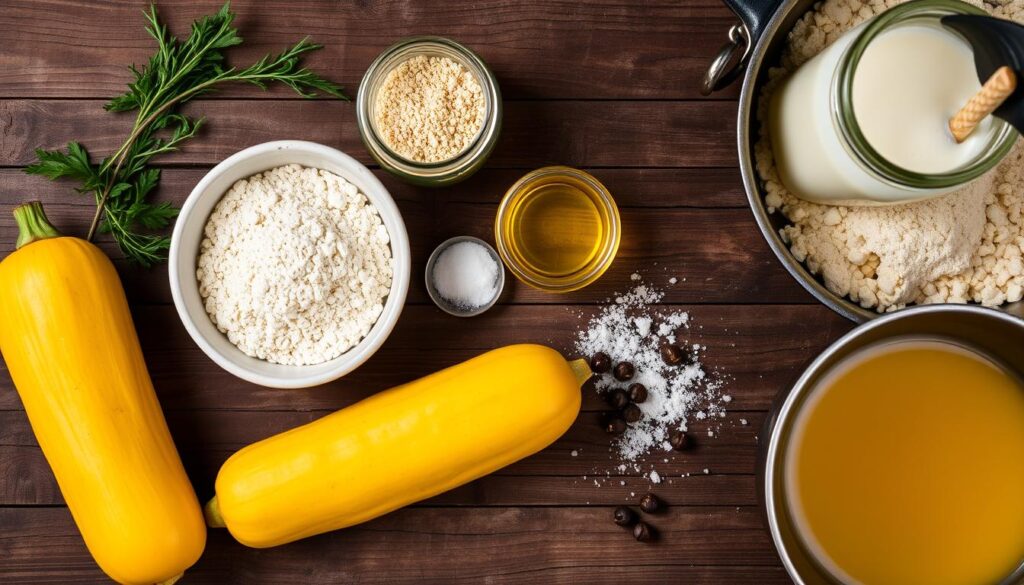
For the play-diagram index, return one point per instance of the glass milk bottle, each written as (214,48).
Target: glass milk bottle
(865,122)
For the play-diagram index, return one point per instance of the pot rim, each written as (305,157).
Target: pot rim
(769,464)
(746,135)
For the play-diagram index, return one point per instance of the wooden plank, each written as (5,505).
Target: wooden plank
(418,545)
(716,255)
(534,134)
(537,48)
(644,188)
(555,475)
(28,481)
(758,349)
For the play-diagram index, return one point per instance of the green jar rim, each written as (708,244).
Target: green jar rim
(439,173)
(845,119)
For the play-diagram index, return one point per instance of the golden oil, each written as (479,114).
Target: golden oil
(558,229)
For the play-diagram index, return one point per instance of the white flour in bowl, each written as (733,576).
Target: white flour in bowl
(295,265)
(964,247)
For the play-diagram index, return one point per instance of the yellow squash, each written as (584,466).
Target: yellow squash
(398,447)
(69,343)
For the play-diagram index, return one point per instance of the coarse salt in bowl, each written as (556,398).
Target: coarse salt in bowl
(188,234)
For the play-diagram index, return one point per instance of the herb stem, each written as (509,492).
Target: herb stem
(177,72)
(122,152)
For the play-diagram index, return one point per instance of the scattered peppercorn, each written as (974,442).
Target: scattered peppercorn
(672,355)
(615,426)
(624,371)
(643,532)
(631,413)
(618,399)
(637,392)
(650,503)
(679,440)
(623,516)
(600,363)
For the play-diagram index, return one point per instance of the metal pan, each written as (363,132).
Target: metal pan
(754,46)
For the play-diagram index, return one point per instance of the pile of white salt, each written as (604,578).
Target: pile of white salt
(632,329)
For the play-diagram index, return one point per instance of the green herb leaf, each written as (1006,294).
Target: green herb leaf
(177,72)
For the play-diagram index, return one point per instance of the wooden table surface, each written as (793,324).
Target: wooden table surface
(610,86)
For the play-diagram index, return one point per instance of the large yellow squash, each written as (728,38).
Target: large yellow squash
(69,343)
(397,447)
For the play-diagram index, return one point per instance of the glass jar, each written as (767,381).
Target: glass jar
(444,172)
(820,147)
(557,229)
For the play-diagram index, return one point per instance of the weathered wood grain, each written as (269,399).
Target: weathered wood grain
(27,481)
(636,187)
(534,133)
(758,350)
(207,438)
(537,48)
(440,545)
(717,255)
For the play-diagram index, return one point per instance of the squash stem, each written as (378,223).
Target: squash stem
(212,513)
(173,579)
(581,369)
(32,224)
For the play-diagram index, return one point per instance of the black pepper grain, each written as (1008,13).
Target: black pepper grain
(679,440)
(637,392)
(624,371)
(618,399)
(632,413)
(615,426)
(672,354)
(623,516)
(600,363)
(650,503)
(643,532)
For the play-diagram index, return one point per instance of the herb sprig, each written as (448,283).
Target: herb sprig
(178,72)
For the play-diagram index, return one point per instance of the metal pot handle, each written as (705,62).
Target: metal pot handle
(732,58)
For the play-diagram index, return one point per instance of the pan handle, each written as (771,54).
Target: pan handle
(731,59)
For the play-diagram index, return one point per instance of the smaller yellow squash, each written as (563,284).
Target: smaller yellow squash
(397,447)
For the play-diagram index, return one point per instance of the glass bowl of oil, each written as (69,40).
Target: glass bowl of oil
(557,229)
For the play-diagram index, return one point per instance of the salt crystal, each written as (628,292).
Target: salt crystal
(655,478)
(673,280)
(466,275)
(574,453)
(727,398)
(743,421)
(706,471)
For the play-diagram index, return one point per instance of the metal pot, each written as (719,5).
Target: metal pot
(754,46)
(992,332)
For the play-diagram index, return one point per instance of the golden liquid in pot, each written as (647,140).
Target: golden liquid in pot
(906,466)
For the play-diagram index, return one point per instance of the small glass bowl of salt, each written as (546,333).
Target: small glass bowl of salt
(465,276)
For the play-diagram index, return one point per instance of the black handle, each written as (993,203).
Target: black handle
(732,57)
(755,14)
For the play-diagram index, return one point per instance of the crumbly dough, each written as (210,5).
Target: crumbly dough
(429,109)
(295,265)
(964,247)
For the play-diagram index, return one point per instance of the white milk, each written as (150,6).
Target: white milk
(911,79)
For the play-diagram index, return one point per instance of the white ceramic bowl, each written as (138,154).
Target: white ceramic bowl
(188,233)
